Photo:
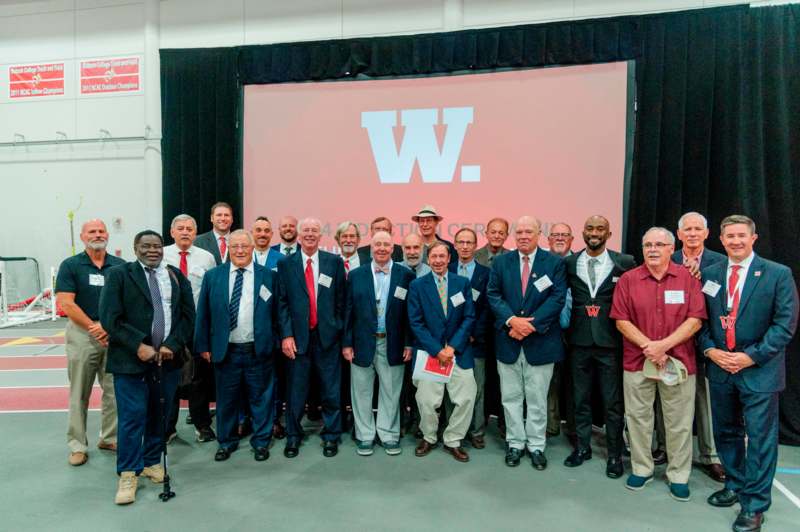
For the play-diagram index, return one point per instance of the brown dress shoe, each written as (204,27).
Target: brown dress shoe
(715,471)
(107,446)
(457,452)
(477,442)
(78,458)
(424,448)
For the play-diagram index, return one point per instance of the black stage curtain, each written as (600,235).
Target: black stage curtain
(716,127)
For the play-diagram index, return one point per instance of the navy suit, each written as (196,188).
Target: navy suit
(505,298)
(319,347)
(746,403)
(273,256)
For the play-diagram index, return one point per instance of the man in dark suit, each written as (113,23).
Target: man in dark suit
(478,275)
(311,317)
(595,344)
(752,315)
(442,315)
(428,221)
(147,309)
(287,230)
(496,236)
(692,232)
(235,317)
(216,240)
(377,340)
(381,223)
(527,289)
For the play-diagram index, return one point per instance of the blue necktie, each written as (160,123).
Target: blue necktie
(233,306)
(157,329)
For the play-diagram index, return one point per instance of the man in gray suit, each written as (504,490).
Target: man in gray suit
(496,235)
(216,240)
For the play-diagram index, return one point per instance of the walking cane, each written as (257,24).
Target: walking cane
(166,494)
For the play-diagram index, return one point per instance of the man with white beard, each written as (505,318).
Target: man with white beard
(348,237)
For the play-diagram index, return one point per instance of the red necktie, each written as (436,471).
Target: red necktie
(526,273)
(312,299)
(730,332)
(223,247)
(346,268)
(184,266)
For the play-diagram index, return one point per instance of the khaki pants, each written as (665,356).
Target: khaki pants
(522,387)
(86,359)
(677,403)
(462,390)
(362,385)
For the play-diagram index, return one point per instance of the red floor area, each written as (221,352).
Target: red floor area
(34,362)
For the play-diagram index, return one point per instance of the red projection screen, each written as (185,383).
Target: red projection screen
(545,142)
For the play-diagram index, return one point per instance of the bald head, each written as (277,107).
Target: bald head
(526,234)
(412,249)
(596,232)
(381,247)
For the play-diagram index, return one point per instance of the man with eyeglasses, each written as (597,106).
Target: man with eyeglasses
(659,307)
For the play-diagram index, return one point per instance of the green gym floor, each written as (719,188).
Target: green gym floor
(40,491)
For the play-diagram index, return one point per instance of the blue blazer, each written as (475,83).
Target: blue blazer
(212,326)
(293,300)
(361,318)
(505,299)
(432,330)
(708,258)
(765,322)
(483,314)
(273,256)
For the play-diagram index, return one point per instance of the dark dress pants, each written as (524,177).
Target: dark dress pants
(607,365)
(142,417)
(327,365)
(240,374)
(201,393)
(738,411)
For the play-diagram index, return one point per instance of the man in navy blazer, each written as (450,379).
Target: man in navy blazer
(752,315)
(377,340)
(233,330)
(466,242)
(692,232)
(442,315)
(311,307)
(527,289)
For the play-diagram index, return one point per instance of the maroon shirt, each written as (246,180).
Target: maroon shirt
(654,307)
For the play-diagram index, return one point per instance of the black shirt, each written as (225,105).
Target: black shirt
(78,275)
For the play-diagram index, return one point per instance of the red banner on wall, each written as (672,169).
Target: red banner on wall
(119,74)
(30,81)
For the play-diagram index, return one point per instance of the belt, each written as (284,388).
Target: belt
(246,347)
(380,335)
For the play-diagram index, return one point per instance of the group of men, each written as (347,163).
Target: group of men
(290,325)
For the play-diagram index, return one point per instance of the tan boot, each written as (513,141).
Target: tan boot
(78,458)
(126,489)
(154,473)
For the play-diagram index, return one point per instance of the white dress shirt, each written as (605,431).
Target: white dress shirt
(314,266)
(165,287)
(292,246)
(261,256)
(532,256)
(198,262)
(745,267)
(353,262)
(244,324)
(602,269)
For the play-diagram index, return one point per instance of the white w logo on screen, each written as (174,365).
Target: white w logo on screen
(419,144)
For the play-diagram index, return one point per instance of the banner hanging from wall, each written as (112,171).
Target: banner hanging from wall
(110,75)
(37,80)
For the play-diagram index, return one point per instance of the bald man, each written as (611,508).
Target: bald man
(80,280)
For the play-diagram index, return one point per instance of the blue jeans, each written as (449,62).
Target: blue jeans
(141,417)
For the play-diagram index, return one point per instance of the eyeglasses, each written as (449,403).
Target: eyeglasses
(560,235)
(239,246)
(655,245)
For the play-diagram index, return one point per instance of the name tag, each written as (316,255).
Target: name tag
(475,295)
(614,279)
(543,284)
(711,288)
(264,293)
(96,279)
(324,280)
(457,299)
(673,297)
(400,293)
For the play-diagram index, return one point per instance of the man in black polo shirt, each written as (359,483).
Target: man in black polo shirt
(80,280)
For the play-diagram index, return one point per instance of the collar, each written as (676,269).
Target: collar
(438,278)
(264,252)
(603,257)
(158,268)
(672,270)
(249,268)
(314,258)
(285,246)
(699,256)
(466,264)
(745,264)
(386,269)
(217,235)
(84,257)
(531,255)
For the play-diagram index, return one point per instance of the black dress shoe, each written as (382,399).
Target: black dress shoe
(513,457)
(330,448)
(748,522)
(715,471)
(262,453)
(222,454)
(291,450)
(578,457)
(614,467)
(538,460)
(659,457)
(723,498)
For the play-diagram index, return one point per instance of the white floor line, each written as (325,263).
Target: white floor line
(789,495)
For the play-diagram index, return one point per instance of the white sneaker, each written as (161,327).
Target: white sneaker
(126,488)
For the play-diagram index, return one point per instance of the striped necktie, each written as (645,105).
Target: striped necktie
(158,326)
(236,296)
(441,283)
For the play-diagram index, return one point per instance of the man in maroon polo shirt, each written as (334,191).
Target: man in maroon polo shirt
(659,306)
